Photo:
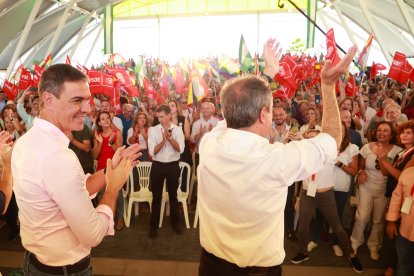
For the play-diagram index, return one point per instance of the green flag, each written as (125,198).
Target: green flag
(245,58)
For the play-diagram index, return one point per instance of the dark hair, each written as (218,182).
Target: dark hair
(123,100)
(98,119)
(54,77)
(163,108)
(347,138)
(394,133)
(243,98)
(372,90)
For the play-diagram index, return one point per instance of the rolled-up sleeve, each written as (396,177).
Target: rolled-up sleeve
(66,184)
(152,142)
(303,158)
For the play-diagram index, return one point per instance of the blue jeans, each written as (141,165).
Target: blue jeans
(405,253)
(30,270)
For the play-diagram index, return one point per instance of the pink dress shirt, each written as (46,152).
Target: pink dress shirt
(57,220)
(404,189)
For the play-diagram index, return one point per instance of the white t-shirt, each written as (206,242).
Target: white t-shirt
(141,138)
(342,180)
(376,182)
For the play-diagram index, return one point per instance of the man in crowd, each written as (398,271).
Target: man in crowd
(243,179)
(165,144)
(58,223)
(126,118)
(203,125)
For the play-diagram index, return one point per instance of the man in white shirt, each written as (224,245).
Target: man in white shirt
(58,224)
(243,179)
(203,125)
(165,144)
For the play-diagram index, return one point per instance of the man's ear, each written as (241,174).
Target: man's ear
(262,115)
(47,100)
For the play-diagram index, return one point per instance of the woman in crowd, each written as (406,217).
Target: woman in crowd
(178,119)
(344,170)
(348,104)
(312,117)
(392,114)
(26,115)
(372,181)
(138,133)
(318,192)
(106,141)
(402,161)
(9,112)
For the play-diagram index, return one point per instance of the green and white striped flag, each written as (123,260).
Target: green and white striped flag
(108,30)
(245,58)
(311,11)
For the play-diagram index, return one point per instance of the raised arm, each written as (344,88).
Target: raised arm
(331,121)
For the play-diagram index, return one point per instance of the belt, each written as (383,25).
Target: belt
(59,270)
(249,270)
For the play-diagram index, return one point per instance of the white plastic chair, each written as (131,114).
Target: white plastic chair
(181,196)
(196,217)
(144,194)
(190,187)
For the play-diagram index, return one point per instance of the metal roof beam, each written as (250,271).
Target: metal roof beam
(404,11)
(78,9)
(344,24)
(80,35)
(23,37)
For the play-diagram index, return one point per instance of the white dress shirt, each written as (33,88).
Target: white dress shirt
(167,153)
(243,183)
(196,128)
(57,220)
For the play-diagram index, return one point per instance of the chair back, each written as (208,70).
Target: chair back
(144,170)
(184,166)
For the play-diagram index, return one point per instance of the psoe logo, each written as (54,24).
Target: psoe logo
(95,80)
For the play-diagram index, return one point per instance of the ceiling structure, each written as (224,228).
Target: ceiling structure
(30,27)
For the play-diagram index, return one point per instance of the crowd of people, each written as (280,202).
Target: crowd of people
(374,158)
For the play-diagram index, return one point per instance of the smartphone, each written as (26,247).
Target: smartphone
(317,99)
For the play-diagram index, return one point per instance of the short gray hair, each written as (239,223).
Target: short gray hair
(242,99)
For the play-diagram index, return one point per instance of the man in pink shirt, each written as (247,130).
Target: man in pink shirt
(402,205)
(58,224)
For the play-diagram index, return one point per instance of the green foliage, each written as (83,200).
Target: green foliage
(297,46)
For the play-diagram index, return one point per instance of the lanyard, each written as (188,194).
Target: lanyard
(400,160)
(412,190)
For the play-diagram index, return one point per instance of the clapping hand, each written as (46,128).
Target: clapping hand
(98,138)
(133,152)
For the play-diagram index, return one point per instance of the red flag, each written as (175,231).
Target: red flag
(284,92)
(287,71)
(179,81)
(400,69)
(25,79)
(68,61)
(331,51)
(46,62)
(10,90)
(37,73)
(125,82)
(375,68)
(100,83)
(350,88)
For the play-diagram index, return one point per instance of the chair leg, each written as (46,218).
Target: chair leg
(150,204)
(187,223)
(128,219)
(190,191)
(196,218)
(162,213)
(136,209)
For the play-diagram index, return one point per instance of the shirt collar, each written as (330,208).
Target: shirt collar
(52,129)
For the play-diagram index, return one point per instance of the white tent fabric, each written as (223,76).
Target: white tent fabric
(390,20)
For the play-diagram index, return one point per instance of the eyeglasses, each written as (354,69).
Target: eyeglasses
(377,164)
(365,101)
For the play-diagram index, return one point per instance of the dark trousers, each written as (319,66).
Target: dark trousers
(405,252)
(214,266)
(11,216)
(290,209)
(325,202)
(159,172)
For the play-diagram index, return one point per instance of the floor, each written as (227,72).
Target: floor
(131,252)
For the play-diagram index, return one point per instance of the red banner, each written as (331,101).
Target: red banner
(125,82)
(10,90)
(284,92)
(25,79)
(37,73)
(350,88)
(100,83)
(400,69)
(287,73)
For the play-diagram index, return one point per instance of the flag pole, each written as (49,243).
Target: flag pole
(316,25)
